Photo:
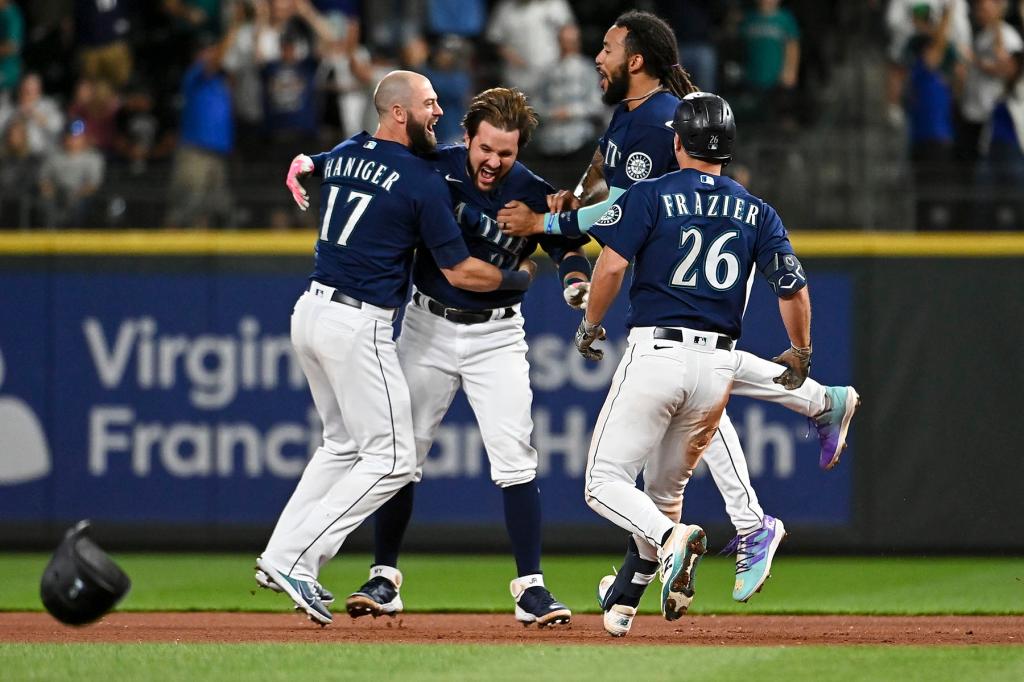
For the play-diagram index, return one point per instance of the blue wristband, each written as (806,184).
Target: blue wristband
(514,280)
(549,224)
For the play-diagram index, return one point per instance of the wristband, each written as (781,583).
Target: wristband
(550,224)
(514,280)
(573,263)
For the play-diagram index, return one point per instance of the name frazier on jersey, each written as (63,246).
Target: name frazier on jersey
(361,169)
(718,206)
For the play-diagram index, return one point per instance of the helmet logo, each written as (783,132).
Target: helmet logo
(713,142)
(638,166)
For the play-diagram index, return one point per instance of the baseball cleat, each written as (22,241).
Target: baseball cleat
(302,592)
(754,554)
(378,596)
(678,568)
(534,604)
(264,581)
(833,424)
(619,617)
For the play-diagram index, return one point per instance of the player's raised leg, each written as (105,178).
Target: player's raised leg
(830,408)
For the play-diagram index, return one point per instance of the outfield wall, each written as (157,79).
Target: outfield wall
(147,382)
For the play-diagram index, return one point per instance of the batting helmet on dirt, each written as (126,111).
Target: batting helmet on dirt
(81,582)
(705,126)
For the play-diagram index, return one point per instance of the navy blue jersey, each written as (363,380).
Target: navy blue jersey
(475,211)
(694,239)
(638,144)
(378,202)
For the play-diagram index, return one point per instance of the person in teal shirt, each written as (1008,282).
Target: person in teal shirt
(771,41)
(12,29)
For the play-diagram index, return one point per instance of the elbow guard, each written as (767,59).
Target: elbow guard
(785,274)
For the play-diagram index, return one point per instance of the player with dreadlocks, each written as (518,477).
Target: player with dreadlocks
(639,72)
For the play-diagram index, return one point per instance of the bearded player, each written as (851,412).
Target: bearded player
(639,71)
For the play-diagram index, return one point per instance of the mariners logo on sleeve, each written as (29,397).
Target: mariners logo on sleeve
(638,166)
(611,216)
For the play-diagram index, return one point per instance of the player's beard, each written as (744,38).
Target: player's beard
(421,142)
(618,86)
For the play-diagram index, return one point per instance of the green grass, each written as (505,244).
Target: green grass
(110,663)
(192,582)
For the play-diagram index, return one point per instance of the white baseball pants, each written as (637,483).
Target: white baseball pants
(662,410)
(488,360)
(349,359)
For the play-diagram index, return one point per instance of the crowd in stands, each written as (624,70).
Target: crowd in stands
(183,113)
(954,77)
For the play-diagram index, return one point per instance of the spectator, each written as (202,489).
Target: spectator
(391,24)
(40,114)
(934,70)
(50,42)
(569,104)
(463,18)
(290,112)
(992,91)
(993,66)
(771,50)
(693,22)
(143,130)
(449,74)
(96,104)
(12,32)
(240,61)
(19,175)
(526,35)
(199,195)
(70,178)
(282,17)
(347,75)
(102,32)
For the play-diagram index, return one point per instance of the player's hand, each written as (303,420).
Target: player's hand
(587,334)
(798,364)
(517,220)
(577,295)
(301,166)
(562,200)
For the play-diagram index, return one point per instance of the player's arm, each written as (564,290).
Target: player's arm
(592,187)
(473,274)
(609,272)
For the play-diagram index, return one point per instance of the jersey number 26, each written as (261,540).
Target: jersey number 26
(721,268)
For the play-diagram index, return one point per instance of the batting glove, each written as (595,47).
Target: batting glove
(301,166)
(798,364)
(577,295)
(587,334)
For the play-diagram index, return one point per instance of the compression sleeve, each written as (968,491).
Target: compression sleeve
(575,223)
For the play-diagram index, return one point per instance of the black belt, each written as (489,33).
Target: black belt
(458,315)
(344,299)
(670,334)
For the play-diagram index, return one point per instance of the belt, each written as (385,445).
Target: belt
(458,315)
(345,299)
(670,334)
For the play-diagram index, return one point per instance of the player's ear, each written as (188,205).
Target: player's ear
(636,63)
(398,111)
(465,138)
(677,144)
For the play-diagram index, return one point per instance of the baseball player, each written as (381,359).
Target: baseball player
(454,338)
(694,238)
(380,202)
(639,71)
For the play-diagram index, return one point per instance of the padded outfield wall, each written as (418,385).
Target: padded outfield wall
(147,382)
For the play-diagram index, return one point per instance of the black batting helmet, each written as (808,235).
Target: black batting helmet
(705,126)
(81,582)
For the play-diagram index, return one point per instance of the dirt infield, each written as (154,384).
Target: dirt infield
(501,628)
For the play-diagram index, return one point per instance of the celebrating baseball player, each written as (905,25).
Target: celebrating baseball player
(639,71)
(694,238)
(454,337)
(380,202)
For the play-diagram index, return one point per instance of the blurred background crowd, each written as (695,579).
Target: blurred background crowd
(879,114)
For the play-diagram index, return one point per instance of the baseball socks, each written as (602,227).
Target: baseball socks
(390,522)
(522,520)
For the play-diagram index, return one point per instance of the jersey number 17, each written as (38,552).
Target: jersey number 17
(361,203)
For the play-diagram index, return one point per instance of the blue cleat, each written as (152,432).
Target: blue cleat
(834,423)
(678,568)
(264,581)
(302,592)
(754,554)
